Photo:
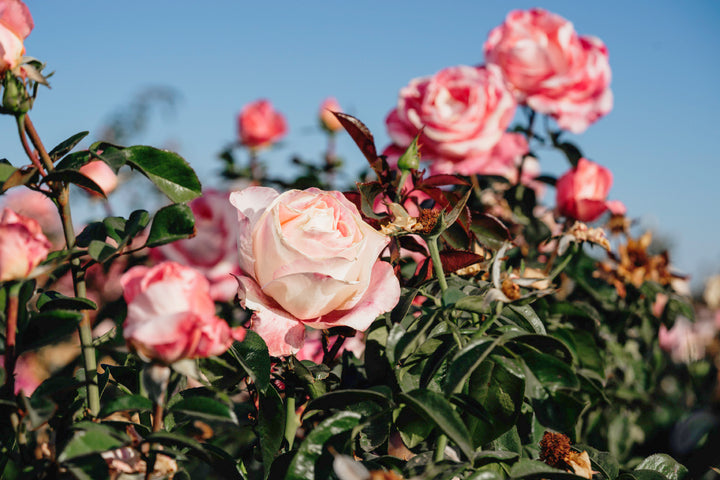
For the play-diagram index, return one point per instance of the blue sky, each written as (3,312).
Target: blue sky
(660,140)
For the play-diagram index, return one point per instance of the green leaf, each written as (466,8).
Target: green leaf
(38,410)
(412,427)
(6,170)
(270,426)
(558,411)
(499,391)
(466,361)
(664,465)
(302,466)
(51,300)
(100,251)
(64,147)
(490,231)
(204,407)
(435,408)
(21,176)
(178,440)
(48,327)
(170,173)
(92,438)
(74,177)
(128,402)
(171,223)
(525,468)
(368,192)
(89,467)
(341,399)
(527,313)
(551,372)
(252,355)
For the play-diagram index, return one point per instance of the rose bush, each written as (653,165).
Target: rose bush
(16,23)
(308,258)
(582,191)
(213,249)
(462,111)
(551,68)
(260,125)
(22,245)
(170,315)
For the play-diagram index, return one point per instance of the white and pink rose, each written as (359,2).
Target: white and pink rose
(308,259)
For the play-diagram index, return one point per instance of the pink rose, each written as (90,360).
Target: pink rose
(213,250)
(259,125)
(328,121)
(308,258)
(462,110)
(16,23)
(22,245)
(170,315)
(582,191)
(551,68)
(40,208)
(28,374)
(100,173)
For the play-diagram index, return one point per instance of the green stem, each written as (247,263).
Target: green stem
(78,276)
(437,264)
(291,423)
(440,448)
(10,334)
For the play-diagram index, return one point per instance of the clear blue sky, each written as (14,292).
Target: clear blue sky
(660,139)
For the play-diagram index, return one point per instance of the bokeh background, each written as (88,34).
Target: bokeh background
(195,65)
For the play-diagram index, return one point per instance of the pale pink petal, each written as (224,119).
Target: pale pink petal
(381,296)
(251,203)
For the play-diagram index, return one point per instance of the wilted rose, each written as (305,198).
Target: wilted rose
(308,258)
(260,125)
(462,111)
(328,121)
(100,173)
(551,68)
(213,250)
(22,245)
(582,191)
(16,23)
(170,314)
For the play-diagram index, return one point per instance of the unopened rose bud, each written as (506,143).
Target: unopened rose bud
(328,121)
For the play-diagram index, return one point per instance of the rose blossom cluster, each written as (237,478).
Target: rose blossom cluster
(534,58)
(309,260)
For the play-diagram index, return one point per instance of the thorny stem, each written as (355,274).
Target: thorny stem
(437,264)
(78,276)
(10,334)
